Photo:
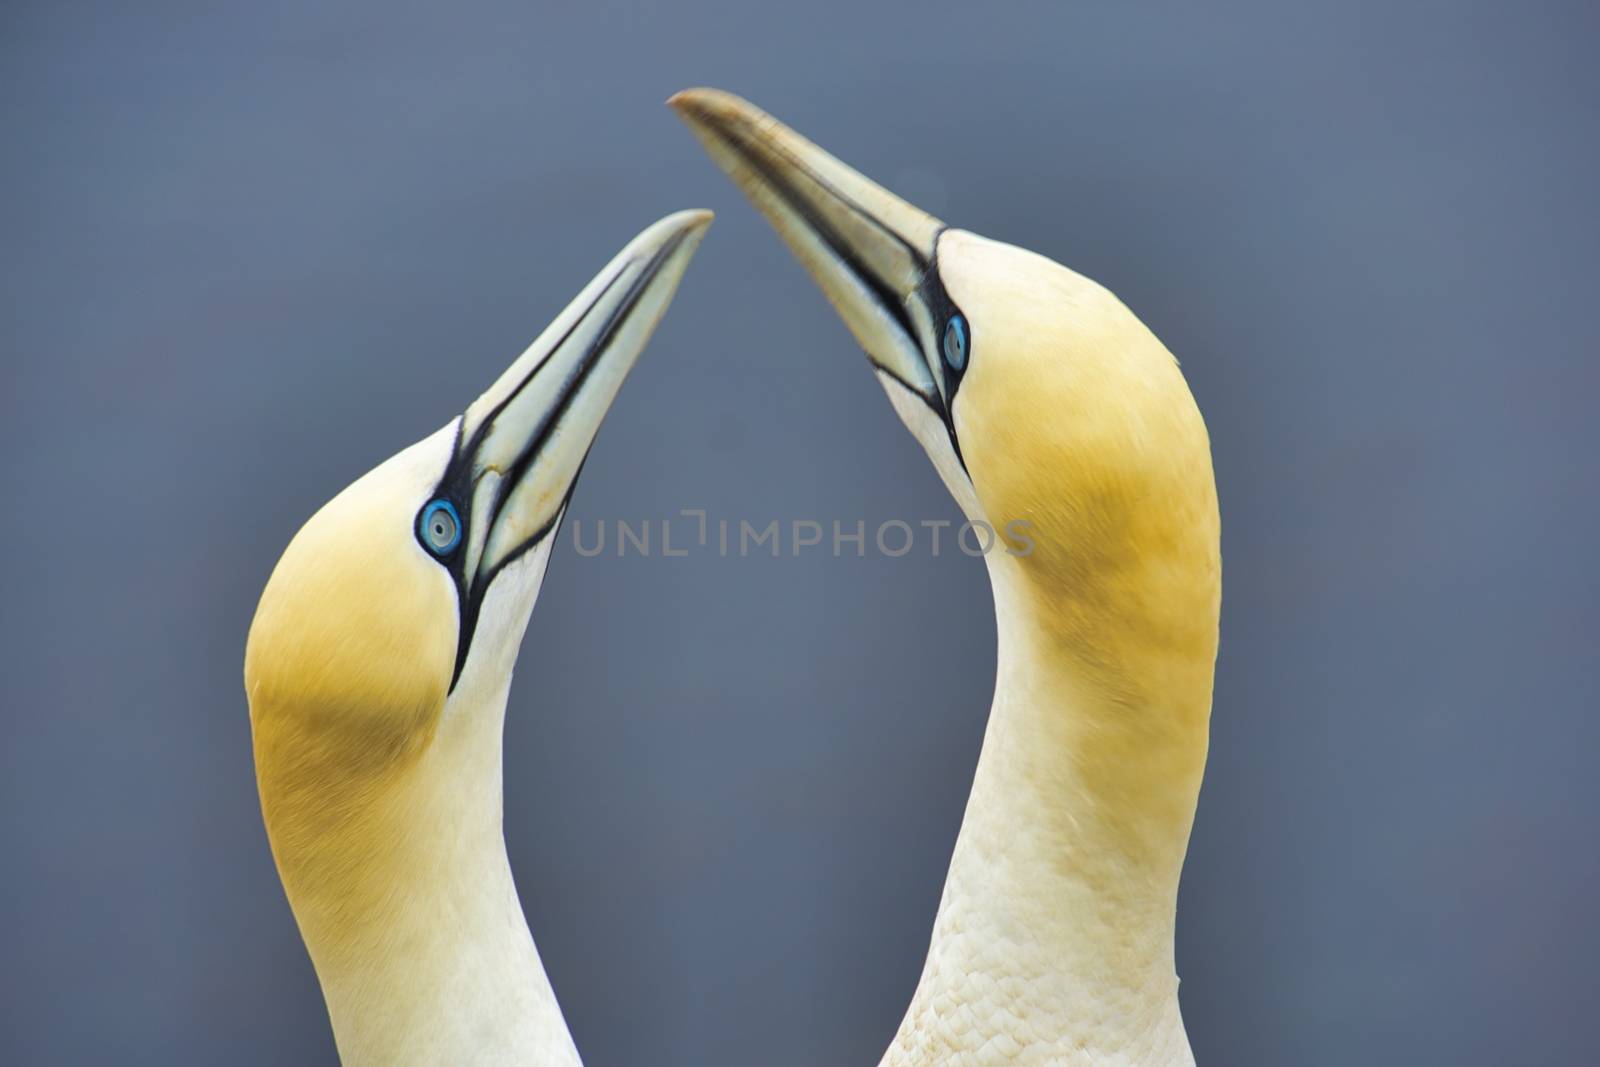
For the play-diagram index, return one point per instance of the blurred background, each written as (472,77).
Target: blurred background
(251,250)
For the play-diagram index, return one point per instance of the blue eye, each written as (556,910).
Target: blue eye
(440,527)
(955,342)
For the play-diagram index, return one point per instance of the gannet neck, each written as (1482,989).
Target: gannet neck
(1039,396)
(1054,937)
(404,895)
(377,670)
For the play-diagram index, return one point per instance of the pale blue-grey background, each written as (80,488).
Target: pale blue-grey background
(251,249)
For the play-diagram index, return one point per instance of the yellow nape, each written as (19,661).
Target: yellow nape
(347,668)
(1074,417)
(1054,942)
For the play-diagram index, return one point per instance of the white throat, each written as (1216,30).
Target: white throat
(444,970)
(1052,944)
(449,973)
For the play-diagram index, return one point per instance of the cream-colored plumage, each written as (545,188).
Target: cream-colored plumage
(378,669)
(1047,402)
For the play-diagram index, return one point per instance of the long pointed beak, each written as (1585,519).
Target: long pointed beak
(869,250)
(522,443)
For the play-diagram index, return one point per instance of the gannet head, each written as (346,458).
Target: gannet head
(399,607)
(1038,395)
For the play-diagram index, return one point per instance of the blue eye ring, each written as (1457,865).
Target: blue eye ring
(439,527)
(956,342)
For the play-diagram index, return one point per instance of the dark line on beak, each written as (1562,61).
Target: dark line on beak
(887,298)
(929,285)
(473,588)
(494,413)
(574,385)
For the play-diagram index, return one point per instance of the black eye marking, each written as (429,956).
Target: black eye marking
(948,352)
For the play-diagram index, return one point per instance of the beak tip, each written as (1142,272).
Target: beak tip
(693,224)
(686,101)
(685,228)
(704,105)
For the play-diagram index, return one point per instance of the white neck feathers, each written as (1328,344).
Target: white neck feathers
(1054,937)
(425,957)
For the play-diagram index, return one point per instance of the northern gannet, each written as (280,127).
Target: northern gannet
(378,667)
(1039,397)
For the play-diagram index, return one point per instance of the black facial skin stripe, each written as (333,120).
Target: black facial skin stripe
(457,483)
(797,201)
(930,289)
(941,310)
